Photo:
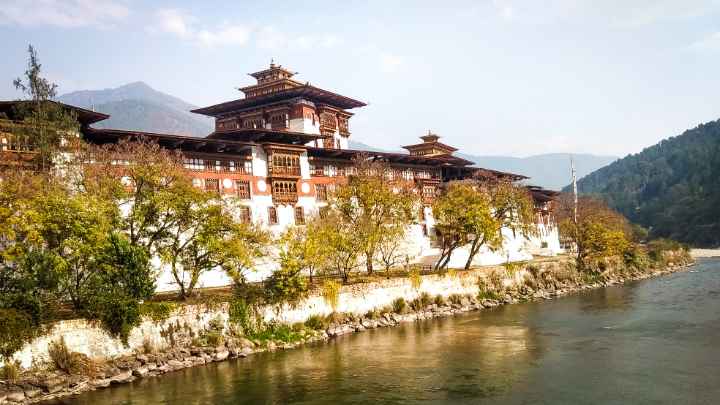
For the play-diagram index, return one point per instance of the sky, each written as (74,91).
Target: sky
(495,77)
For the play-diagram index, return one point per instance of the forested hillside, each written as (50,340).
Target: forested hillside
(672,188)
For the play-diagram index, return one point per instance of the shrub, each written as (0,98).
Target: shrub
(16,328)
(244,316)
(157,311)
(10,372)
(278,332)
(285,285)
(455,299)
(67,361)
(315,322)
(331,293)
(373,314)
(214,339)
(415,278)
(118,314)
(425,299)
(439,300)
(399,305)
(416,305)
(148,346)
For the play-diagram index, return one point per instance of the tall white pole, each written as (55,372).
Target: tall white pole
(575,193)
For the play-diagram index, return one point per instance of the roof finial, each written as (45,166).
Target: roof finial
(272,62)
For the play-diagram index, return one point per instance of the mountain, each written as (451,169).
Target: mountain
(137,106)
(672,188)
(551,170)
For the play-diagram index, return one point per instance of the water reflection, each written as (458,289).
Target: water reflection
(652,342)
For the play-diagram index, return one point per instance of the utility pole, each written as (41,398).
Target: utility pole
(575,194)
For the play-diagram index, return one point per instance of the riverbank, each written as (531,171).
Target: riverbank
(455,293)
(700,253)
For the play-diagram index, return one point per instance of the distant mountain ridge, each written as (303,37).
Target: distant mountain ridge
(550,170)
(139,107)
(672,188)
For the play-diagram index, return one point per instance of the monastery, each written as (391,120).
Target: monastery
(282,148)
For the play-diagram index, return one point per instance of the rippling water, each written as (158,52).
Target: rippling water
(650,342)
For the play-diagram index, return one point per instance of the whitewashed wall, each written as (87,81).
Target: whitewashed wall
(89,338)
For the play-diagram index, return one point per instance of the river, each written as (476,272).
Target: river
(655,341)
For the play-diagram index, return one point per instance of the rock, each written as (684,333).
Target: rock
(369,323)
(221,355)
(142,359)
(175,364)
(140,371)
(100,383)
(165,368)
(54,384)
(122,377)
(77,380)
(245,342)
(464,302)
(15,396)
(245,352)
(32,392)
(151,366)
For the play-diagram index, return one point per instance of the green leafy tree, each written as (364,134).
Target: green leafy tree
(372,201)
(205,236)
(463,215)
(144,179)
(304,248)
(46,126)
(344,248)
(598,233)
(512,208)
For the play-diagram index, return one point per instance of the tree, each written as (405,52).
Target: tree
(144,179)
(46,125)
(389,247)
(205,236)
(344,247)
(463,215)
(303,248)
(513,209)
(372,201)
(599,232)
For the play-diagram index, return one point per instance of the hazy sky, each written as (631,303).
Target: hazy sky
(492,77)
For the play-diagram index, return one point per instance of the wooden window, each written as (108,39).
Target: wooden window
(243,189)
(321,192)
(272,216)
(285,164)
(428,191)
(323,211)
(212,185)
(284,191)
(245,215)
(299,216)
(194,164)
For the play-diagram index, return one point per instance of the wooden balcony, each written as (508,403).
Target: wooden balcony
(280,197)
(284,171)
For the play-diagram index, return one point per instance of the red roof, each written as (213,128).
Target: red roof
(306,90)
(265,135)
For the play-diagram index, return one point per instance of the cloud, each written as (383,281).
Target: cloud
(390,63)
(185,26)
(709,43)
(504,9)
(182,25)
(62,13)
(622,13)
